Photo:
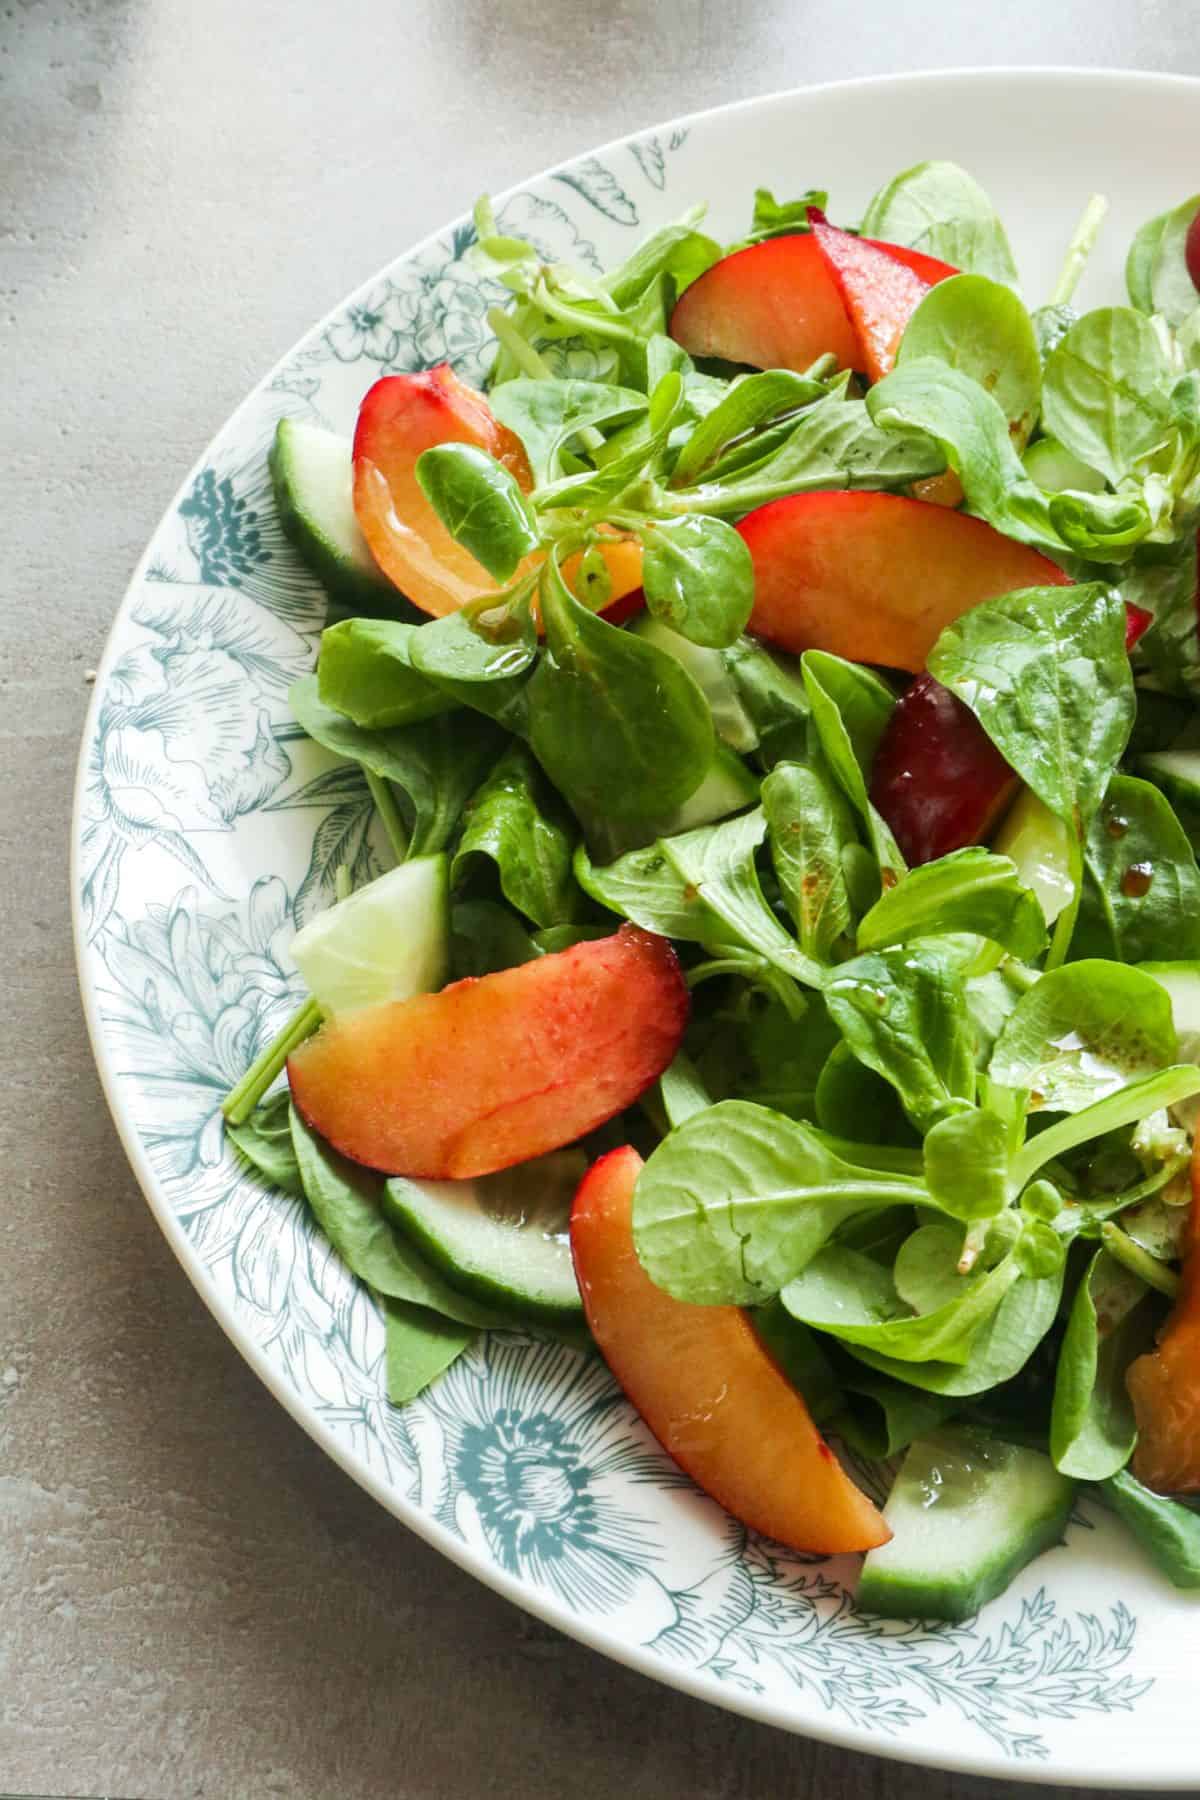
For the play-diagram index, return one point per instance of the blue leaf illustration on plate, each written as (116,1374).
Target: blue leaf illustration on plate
(648,153)
(601,189)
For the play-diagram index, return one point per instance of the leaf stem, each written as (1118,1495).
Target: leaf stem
(532,363)
(1064,925)
(242,1099)
(1079,249)
(758,970)
(1139,1262)
(389,813)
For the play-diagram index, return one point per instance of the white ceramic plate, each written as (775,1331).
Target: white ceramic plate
(205,824)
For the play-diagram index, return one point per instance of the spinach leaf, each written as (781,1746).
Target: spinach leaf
(903,1013)
(265,1140)
(783,218)
(926,396)
(419,1346)
(619,726)
(966,1164)
(1139,264)
(485,936)
(852,1101)
(1141,889)
(1000,1349)
(480,504)
(681,1090)
(772,694)
(809,824)
(882,1417)
(716,863)
(364,672)
(971,890)
(513,820)
(1045,673)
(738,1198)
(1106,391)
(632,455)
(980,326)
(1081,1033)
(1156,272)
(799,1353)
(1162,580)
(757,1048)
(1092,1430)
(345,1200)
(1167,1530)
(547,415)
(748,403)
(1125,1107)
(437,765)
(833,444)
(850,710)
(698,578)
(938,208)
(482,655)
(856,1300)
(644,887)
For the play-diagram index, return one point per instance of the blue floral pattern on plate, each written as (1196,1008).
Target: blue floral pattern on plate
(208,827)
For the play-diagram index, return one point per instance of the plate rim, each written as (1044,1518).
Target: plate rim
(759,1708)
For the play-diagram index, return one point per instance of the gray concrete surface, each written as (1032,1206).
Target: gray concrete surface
(192,1600)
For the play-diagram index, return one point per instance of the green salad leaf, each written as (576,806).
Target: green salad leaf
(619,726)
(851,707)
(698,578)
(480,504)
(980,326)
(515,821)
(809,823)
(1141,890)
(737,1199)
(1106,393)
(938,208)
(1082,1032)
(903,1013)
(1092,1431)
(971,890)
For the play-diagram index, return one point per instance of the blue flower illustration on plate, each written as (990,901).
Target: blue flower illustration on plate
(191,994)
(369,328)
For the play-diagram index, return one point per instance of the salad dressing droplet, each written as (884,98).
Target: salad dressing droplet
(1116,826)
(1136,881)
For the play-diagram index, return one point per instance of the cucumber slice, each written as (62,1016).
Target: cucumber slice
(388,941)
(505,1237)
(1182,982)
(313,477)
(1176,772)
(1040,845)
(708,670)
(727,788)
(968,1513)
(1053,467)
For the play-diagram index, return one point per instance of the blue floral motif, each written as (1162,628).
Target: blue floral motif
(189,997)
(525,1450)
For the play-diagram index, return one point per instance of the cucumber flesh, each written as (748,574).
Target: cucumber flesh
(504,1237)
(1182,982)
(1040,845)
(967,1512)
(388,941)
(708,670)
(313,476)
(1053,467)
(1176,772)
(727,788)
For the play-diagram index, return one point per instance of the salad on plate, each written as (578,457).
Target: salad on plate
(779,692)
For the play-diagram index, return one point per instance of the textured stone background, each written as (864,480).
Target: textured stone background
(193,1601)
